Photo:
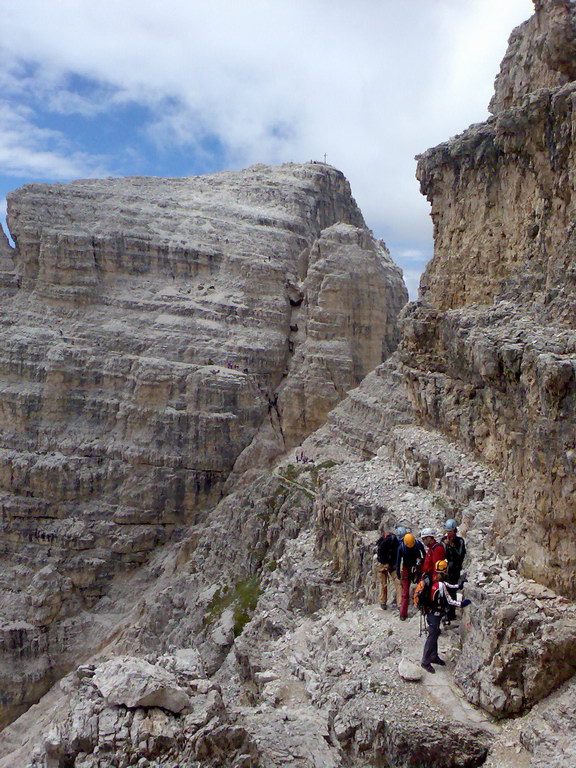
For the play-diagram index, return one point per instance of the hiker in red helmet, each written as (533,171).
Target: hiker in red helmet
(438,604)
(434,550)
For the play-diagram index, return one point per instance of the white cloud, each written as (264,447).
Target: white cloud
(26,150)
(412,280)
(370,83)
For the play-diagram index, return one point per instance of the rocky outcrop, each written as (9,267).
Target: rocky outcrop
(132,683)
(157,336)
(8,277)
(490,354)
(349,326)
(127,730)
(541,54)
(486,248)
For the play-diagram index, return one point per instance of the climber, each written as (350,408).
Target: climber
(440,600)
(408,568)
(435,550)
(455,547)
(386,550)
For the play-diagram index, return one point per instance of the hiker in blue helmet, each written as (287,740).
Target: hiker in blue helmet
(455,547)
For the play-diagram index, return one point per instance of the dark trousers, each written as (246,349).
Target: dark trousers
(430,653)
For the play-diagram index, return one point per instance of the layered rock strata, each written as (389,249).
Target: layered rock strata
(151,341)
(490,355)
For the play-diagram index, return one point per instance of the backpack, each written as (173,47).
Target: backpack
(422,598)
(386,549)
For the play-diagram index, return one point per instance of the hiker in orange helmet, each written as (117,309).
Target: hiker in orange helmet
(439,601)
(408,567)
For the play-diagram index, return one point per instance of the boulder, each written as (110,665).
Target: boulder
(132,682)
(409,670)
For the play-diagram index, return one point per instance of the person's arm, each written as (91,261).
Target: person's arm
(446,595)
(399,562)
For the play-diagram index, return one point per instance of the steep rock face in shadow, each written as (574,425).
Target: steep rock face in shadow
(148,334)
(490,355)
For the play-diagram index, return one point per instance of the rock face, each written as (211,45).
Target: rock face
(541,54)
(158,335)
(491,356)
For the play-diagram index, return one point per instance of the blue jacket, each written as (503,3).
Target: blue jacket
(409,556)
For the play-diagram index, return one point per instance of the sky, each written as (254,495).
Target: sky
(186,87)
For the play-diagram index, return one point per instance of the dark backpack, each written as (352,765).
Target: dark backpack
(386,549)
(422,593)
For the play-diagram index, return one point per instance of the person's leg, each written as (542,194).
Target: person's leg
(383,578)
(405,599)
(397,588)
(430,652)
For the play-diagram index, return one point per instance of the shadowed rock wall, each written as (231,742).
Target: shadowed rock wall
(490,357)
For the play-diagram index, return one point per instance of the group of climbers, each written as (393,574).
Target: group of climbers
(436,567)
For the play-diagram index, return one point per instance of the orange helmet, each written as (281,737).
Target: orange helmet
(409,540)
(441,566)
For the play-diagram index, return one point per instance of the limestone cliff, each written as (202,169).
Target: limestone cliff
(491,355)
(152,339)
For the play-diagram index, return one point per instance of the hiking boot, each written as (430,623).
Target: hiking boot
(440,662)
(428,668)
(384,606)
(403,618)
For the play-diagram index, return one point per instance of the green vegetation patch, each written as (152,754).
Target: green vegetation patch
(291,472)
(328,464)
(243,597)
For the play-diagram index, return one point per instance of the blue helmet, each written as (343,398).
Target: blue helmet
(451,524)
(401,531)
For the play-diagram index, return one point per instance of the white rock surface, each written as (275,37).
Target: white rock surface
(132,682)
(409,670)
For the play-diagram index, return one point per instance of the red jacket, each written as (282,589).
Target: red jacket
(435,553)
